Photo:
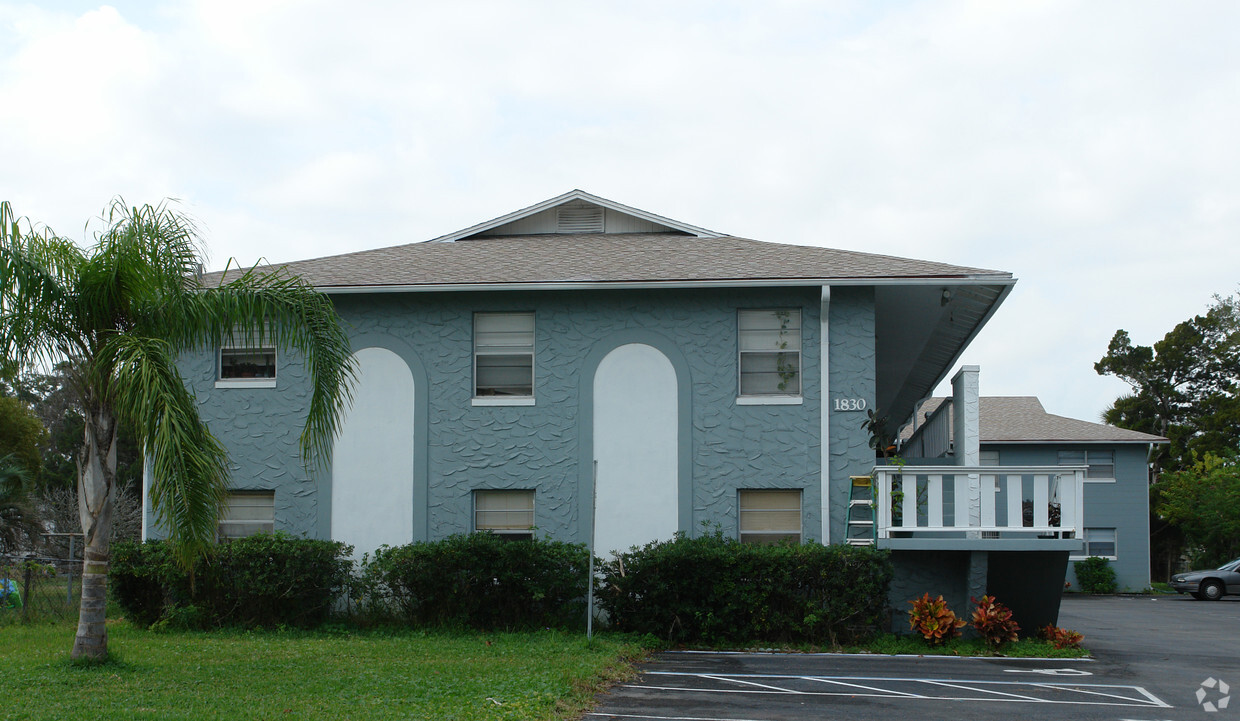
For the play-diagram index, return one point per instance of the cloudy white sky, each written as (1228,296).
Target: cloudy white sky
(1089,148)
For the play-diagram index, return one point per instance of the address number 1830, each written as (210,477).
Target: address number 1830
(849,404)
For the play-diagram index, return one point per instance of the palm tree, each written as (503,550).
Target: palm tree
(122,312)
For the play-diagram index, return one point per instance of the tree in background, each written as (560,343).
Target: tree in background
(19,519)
(1204,502)
(120,313)
(21,436)
(53,401)
(1186,388)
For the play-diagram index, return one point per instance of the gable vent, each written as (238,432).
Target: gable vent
(579,219)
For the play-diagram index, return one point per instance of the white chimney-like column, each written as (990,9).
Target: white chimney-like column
(966,427)
(966,407)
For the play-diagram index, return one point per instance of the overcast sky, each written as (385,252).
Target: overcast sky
(1089,148)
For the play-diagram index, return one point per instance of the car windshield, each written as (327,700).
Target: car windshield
(1230,566)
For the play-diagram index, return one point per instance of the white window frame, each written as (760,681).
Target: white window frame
(242,347)
(481,350)
(780,397)
(750,536)
(1085,536)
(514,533)
(225,521)
(1091,464)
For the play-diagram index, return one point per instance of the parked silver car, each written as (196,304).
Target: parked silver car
(1210,585)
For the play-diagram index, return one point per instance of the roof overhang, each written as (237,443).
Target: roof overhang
(920,336)
(664,284)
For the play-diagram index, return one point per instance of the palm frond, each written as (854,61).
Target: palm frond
(38,280)
(189,465)
(276,308)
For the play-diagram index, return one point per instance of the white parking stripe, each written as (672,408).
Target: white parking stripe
(884,687)
(727,679)
(857,685)
(985,690)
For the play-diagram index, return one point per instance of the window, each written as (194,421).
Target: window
(246,367)
(504,355)
(1101,463)
(247,513)
(770,352)
(770,516)
(509,513)
(1099,542)
(988,458)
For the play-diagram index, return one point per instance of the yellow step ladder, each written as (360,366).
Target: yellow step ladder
(860,529)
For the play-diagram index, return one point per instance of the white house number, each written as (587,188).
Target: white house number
(849,404)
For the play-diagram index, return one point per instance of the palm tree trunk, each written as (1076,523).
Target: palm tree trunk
(96,476)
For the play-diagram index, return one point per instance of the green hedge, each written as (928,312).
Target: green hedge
(482,581)
(714,589)
(258,581)
(1095,575)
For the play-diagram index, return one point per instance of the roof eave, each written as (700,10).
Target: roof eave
(1006,281)
(1076,441)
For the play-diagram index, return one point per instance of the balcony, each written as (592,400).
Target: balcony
(979,507)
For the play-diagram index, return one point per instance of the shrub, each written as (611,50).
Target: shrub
(1061,637)
(994,622)
(265,580)
(481,581)
(1095,575)
(934,620)
(713,589)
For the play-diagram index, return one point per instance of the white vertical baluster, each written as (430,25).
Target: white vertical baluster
(934,490)
(1041,496)
(1015,514)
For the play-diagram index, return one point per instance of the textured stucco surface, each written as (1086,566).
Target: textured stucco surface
(725,446)
(851,375)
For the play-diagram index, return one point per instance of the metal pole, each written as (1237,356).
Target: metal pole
(590,578)
(69,575)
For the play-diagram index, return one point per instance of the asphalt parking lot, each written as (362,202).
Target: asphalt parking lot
(1152,656)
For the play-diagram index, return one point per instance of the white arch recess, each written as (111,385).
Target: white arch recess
(372,456)
(635,443)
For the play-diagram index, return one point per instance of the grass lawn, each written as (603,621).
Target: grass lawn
(301,675)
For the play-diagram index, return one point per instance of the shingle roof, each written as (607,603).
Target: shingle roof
(607,258)
(1022,419)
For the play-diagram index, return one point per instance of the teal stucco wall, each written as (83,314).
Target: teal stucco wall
(460,447)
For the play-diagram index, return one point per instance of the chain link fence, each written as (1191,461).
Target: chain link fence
(42,587)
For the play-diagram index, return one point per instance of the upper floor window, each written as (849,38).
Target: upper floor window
(504,355)
(769,342)
(770,516)
(239,366)
(1101,463)
(247,513)
(509,512)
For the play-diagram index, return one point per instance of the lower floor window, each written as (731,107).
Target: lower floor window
(247,513)
(509,513)
(770,516)
(1100,542)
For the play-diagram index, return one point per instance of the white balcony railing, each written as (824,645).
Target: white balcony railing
(994,501)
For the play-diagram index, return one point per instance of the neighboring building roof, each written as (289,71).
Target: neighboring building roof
(1022,419)
(517,250)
